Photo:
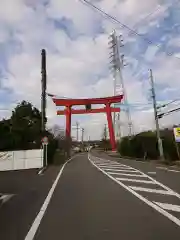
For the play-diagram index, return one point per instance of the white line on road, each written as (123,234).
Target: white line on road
(158,183)
(99,162)
(118,167)
(113,165)
(153,205)
(125,174)
(5,197)
(135,180)
(168,170)
(170,207)
(121,170)
(163,168)
(37,221)
(165,192)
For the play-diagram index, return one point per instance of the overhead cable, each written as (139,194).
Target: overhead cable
(114,19)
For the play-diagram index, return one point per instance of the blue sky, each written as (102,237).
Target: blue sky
(76,40)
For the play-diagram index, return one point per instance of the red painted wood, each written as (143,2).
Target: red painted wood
(71,102)
(110,126)
(107,101)
(68,122)
(84,111)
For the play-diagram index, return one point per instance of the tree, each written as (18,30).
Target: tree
(22,130)
(26,125)
(144,145)
(57,131)
(105,142)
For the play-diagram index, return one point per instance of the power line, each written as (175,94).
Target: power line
(167,113)
(165,105)
(114,19)
(146,17)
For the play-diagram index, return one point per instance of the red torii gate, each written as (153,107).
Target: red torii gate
(107,101)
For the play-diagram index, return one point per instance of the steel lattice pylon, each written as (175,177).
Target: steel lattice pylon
(117,64)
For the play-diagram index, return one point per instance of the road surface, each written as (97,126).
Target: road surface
(21,195)
(99,199)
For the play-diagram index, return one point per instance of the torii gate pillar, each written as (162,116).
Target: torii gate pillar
(110,126)
(68,122)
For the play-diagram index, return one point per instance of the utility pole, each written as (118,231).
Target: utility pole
(82,137)
(77,131)
(119,127)
(105,131)
(43,94)
(156,116)
(43,102)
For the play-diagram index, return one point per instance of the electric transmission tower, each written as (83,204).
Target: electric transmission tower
(117,64)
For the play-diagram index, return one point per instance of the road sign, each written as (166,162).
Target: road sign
(177,134)
(45,140)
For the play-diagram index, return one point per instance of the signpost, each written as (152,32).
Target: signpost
(45,146)
(177,134)
(177,139)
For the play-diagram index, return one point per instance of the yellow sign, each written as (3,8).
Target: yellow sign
(177,134)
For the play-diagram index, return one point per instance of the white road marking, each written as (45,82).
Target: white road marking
(151,204)
(168,170)
(118,167)
(30,235)
(173,171)
(121,170)
(170,207)
(153,173)
(112,165)
(5,197)
(135,180)
(126,174)
(156,182)
(100,162)
(164,168)
(165,192)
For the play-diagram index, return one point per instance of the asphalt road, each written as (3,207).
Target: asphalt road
(103,200)
(25,191)
(166,175)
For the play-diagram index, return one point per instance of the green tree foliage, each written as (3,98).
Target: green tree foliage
(144,145)
(22,130)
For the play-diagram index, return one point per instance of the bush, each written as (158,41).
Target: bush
(59,158)
(52,147)
(144,145)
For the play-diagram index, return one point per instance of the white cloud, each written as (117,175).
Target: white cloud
(78,67)
(150,53)
(12,12)
(174,42)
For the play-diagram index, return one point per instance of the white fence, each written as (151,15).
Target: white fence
(16,160)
